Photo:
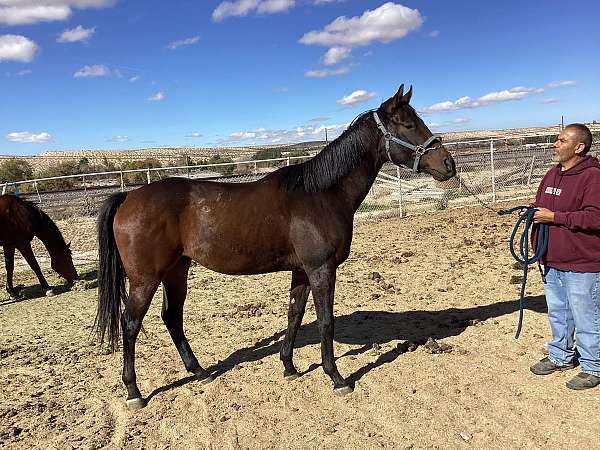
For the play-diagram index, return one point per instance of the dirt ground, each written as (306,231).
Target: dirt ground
(445,275)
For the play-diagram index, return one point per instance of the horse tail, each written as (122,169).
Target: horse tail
(111,275)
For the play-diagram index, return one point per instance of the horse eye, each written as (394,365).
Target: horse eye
(408,125)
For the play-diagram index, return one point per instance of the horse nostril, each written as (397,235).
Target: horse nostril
(449,163)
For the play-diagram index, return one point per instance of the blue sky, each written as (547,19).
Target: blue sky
(115,74)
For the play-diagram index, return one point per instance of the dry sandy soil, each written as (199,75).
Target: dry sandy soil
(445,275)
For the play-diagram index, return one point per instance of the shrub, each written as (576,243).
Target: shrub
(218,159)
(15,169)
(268,153)
(58,170)
(139,177)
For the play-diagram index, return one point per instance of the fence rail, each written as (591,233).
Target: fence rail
(492,169)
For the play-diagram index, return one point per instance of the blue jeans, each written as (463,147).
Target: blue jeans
(573,300)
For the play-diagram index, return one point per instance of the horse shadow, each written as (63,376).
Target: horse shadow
(36,291)
(370,329)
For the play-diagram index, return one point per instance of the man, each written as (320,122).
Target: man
(568,200)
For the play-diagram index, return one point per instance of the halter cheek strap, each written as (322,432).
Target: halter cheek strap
(419,150)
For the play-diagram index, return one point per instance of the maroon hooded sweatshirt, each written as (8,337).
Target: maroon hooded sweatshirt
(574,196)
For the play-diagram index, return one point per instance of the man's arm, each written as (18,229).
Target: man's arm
(587,218)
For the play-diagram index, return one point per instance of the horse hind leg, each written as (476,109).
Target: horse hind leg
(174,294)
(138,302)
(9,263)
(299,291)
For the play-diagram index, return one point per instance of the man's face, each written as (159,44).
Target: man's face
(567,146)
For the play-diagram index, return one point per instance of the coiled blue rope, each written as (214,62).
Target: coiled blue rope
(541,247)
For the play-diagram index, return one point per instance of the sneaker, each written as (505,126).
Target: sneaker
(546,367)
(583,381)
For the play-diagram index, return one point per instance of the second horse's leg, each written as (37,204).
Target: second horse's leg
(27,253)
(9,262)
(174,293)
(299,291)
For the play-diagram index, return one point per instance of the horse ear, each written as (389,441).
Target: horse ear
(390,105)
(69,245)
(406,97)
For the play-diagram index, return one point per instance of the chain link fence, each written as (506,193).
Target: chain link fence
(487,171)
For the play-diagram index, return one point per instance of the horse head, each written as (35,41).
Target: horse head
(62,263)
(407,141)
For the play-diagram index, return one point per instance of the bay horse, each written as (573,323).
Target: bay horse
(298,218)
(20,222)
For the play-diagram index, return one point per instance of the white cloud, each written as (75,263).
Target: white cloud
(327,72)
(134,78)
(96,70)
(193,135)
(434,33)
(335,55)
(183,42)
(550,101)
(77,34)
(513,94)
(555,84)
(309,132)
(24,72)
(119,138)
(17,48)
(356,97)
(160,95)
(389,22)
(24,12)
(240,8)
(25,137)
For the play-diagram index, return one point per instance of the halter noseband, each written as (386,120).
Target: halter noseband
(419,150)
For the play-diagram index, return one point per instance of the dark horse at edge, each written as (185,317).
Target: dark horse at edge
(298,218)
(20,222)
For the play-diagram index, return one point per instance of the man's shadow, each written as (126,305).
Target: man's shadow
(366,328)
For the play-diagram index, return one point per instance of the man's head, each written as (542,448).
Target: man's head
(573,142)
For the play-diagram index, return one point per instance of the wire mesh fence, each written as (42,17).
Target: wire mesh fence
(487,171)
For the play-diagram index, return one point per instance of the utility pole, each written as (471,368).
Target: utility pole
(326,135)
(562,123)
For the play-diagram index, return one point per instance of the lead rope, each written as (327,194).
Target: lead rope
(541,247)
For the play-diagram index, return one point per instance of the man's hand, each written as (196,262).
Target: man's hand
(543,215)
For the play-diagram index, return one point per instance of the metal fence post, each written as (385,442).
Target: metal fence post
(288,161)
(493,171)
(148,174)
(460,181)
(400,198)
(255,168)
(35,185)
(4,188)
(530,170)
(122,182)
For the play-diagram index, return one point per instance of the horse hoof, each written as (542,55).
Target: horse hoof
(49,293)
(206,380)
(136,403)
(344,390)
(291,376)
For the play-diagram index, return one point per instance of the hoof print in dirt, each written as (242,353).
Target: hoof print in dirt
(407,346)
(374,276)
(434,347)
(516,279)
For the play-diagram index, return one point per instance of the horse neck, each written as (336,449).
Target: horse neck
(50,237)
(356,185)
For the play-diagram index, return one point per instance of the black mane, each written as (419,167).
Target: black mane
(46,222)
(332,163)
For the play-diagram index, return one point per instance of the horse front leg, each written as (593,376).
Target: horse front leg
(27,253)
(322,282)
(299,291)
(9,262)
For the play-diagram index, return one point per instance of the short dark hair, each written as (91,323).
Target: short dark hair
(583,134)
